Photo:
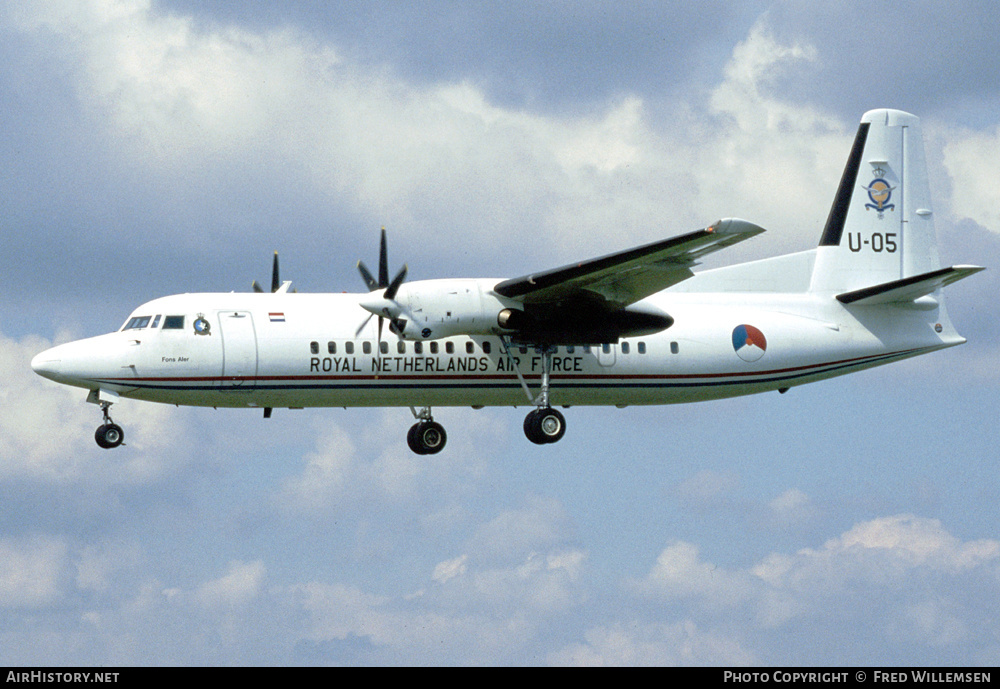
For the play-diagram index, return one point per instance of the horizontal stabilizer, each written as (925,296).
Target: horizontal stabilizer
(907,289)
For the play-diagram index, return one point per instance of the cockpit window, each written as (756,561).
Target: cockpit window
(173,322)
(137,322)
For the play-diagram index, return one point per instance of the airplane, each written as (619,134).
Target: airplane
(637,326)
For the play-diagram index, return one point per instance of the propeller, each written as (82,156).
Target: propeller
(275,281)
(386,305)
(275,284)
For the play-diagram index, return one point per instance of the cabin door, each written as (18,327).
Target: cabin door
(239,342)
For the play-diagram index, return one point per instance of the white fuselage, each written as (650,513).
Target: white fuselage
(304,350)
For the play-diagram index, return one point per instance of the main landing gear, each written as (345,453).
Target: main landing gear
(426,436)
(542,425)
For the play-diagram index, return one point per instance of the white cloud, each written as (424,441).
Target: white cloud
(238,587)
(875,574)
(32,571)
(970,158)
(539,524)
(176,97)
(450,569)
(678,644)
(365,463)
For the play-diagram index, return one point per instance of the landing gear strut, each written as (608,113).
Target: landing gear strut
(109,434)
(542,425)
(427,436)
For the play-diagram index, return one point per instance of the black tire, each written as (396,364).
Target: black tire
(544,426)
(109,435)
(426,438)
(431,436)
(413,441)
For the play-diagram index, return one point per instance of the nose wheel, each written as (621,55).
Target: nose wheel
(109,434)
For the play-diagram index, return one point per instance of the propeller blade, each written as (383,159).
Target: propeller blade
(367,277)
(390,293)
(363,324)
(380,319)
(383,262)
(275,282)
(256,287)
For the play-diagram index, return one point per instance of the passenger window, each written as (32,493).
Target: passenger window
(470,347)
(570,349)
(383,347)
(366,347)
(487,347)
(674,348)
(173,323)
(418,347)
(434,347)
(606,348)
(314,347)
(331,347)
(449,347)
(625,347)
(642,347)
(349,348)
(400,347)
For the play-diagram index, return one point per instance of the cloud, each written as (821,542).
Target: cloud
(678,644)
(903,578)
(32,571)
(364,464)
(241,584)
(970,158)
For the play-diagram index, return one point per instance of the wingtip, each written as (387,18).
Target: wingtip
(735,226)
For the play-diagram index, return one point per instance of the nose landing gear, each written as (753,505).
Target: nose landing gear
(108,434)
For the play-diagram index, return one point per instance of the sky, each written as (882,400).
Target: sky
(152,148)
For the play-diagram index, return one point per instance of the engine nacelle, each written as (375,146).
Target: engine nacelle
(433,309)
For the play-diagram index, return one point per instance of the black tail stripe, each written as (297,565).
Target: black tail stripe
(842,202)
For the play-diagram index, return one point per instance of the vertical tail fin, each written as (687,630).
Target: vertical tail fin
(881,227)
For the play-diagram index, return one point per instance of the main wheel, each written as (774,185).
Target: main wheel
(109,435)
(426,437)
(545,425)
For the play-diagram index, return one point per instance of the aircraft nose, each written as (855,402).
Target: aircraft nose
(47,364)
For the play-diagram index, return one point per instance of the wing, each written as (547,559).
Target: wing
(623,278)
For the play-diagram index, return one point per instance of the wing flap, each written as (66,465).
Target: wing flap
(628,276)
(907,289)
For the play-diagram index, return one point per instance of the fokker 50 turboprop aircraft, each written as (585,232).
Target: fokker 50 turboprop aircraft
(634,327)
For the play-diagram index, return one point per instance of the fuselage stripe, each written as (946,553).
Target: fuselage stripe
(474,381)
